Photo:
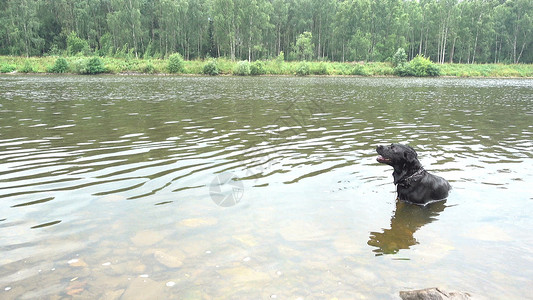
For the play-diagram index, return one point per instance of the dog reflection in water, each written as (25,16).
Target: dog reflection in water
(407,219)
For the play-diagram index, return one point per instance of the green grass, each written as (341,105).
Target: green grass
(270,67)
(486,70)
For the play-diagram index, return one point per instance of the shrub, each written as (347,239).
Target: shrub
(6,68)
(257,68)
(148,52)
(419,67)
(89,66)
(76,45)
(242,68)
(303,69)
(149,68)
(399,58)
(359,70)
(95,66)
(211,68)
(303,49)
(60,66)
(78,66)
(27,68)
(380,69)
(106,45)
(281,57)
(403,70)
(433,70)
(176,64)
(122,52)
(321,69)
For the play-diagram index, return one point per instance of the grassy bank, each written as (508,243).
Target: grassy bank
(79,65)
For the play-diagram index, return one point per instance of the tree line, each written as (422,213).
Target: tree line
(459,31)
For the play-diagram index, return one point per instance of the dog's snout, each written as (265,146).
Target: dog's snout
(379,147)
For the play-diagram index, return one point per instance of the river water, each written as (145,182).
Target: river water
(146,187)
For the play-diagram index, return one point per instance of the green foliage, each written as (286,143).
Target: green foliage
(7,68)
(54,51)
(224,66)
(149,68)
(125,52)
(319,69)
(303,69)
(89,66)
(60,66)
(210,68)
(211,46)
(242,68)
(303,49)
(359,70)
(106,45)
(379,68)
(399,58)
(404,70)
(148,51)
(257,68)
(487,70)
(76,45)
(118,65)
(470,32)
(27,67)
(95,66)
(418,67)
(280,58)
(176,64)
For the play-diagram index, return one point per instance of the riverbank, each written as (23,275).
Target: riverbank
(76,65)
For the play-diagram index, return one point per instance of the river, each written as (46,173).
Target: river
(255,188)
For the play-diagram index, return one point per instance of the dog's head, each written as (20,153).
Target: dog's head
(396,155)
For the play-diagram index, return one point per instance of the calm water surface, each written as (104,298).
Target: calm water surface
(197,187)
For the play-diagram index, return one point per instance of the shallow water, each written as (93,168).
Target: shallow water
(199,187)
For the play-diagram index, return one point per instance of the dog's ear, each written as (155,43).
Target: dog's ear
(410,156)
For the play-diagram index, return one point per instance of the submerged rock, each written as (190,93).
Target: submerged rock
(169,260)
(243,275)
(246,239)
(144,288)
(434,294)
(147,238)
(76,262)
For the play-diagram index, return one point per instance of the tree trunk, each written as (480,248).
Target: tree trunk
(133,30)
(250,40)
(421,42)
(319,37)
(475,47)
(521,51)
(26,40)
(342,51)
(444,45)
(452,50)
(279,40)
(426,42)
(514,48)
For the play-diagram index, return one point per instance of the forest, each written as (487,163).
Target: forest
(446,31)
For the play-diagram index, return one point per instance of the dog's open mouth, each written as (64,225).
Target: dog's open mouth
(382,159)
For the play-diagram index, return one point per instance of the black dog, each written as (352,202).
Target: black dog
(413,183)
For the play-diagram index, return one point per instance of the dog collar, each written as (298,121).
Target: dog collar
(415,176)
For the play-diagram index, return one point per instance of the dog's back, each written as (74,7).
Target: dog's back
(413,183)
(427,188)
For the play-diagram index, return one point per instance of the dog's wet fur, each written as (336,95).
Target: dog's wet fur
(413,183)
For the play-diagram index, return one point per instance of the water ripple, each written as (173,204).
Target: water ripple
(80,166)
